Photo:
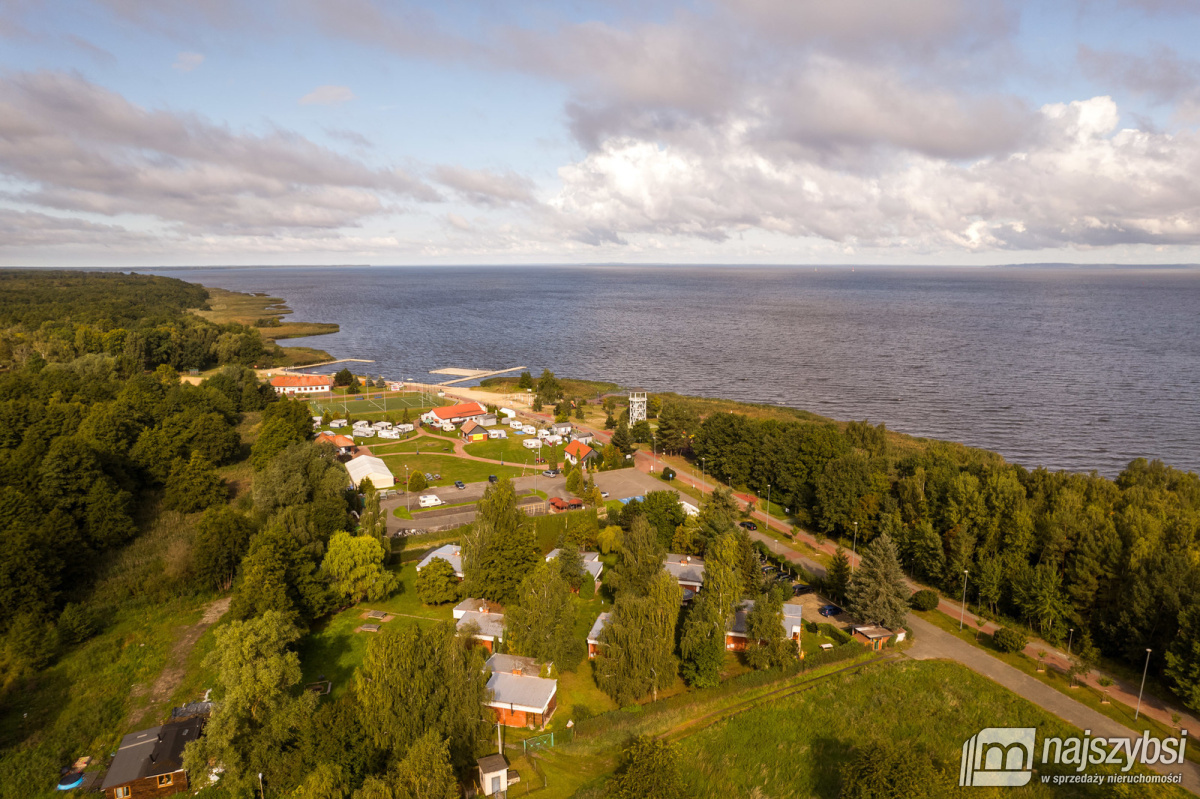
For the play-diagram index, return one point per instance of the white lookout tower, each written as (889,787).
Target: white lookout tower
(637,407)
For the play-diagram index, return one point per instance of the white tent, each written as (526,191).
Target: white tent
(365,466)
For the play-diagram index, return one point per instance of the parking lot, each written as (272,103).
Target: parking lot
(631,483)
(440,518)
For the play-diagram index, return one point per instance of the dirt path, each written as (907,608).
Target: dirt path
(175,669)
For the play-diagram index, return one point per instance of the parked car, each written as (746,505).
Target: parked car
(428,477)
(459,484)
(604,495)
(829,610)
(493,478)
(437,476)
(748,525)
(550,473)
(800,589)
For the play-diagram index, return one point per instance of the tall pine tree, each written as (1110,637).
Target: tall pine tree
(877,593)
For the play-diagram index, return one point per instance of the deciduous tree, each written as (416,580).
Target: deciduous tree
(354,567)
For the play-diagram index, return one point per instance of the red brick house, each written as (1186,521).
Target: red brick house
(520,697)
(487,619)
(150,762)
(736,639)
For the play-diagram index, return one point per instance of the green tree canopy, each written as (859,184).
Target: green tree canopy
(637,647)
(257,711)
(878,592)
(417,679)
(650,768)
(354,566)
(193,485)
(541,623)
(437,583)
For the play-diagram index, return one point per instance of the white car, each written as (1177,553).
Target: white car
(429,501)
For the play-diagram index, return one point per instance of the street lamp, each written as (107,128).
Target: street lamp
(407,494)
(703,476)
(1070,638)
(768,508)
(963,610)
(855,549)
(1144,670)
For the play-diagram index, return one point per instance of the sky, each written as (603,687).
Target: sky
(965,132)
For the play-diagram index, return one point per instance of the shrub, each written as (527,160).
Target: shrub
(417,482)
(668,473)
(925,599)
(1007,640)
(437,584)
(78,623)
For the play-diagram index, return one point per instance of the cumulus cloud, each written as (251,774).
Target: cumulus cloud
(186,62)
(78,147)
(1083,183)
(328,95)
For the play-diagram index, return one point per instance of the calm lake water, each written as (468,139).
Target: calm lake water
(1066,368)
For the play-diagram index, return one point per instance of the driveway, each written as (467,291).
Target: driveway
(447,518)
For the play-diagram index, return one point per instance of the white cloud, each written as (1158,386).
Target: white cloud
(328,95)
(1083,183)
(80,148)
(186,62)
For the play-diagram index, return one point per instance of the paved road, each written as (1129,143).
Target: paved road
(932,643)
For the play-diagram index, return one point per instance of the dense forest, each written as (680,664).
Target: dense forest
(1117,560)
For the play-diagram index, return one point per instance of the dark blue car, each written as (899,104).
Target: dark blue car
(829,610)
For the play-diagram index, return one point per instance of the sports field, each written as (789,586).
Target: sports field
(375,404)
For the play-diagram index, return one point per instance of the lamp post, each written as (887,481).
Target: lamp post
(703,475)
(768,508)
(963,610)
(407,494)
(854,561)
(1144,670)
(1070,638)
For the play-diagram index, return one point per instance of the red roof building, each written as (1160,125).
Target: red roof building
(302,384)
(579,453)
(458,413)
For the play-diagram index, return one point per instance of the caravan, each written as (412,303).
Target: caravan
(429,501)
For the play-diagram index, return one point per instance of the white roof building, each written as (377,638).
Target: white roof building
(451,553)
(368,466)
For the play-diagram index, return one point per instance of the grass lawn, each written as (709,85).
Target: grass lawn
(1084,694)
(509,449)
(451,468)
(795,746)
(79,705)
(386,446)
(335,650)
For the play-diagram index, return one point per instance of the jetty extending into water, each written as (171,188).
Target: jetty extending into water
(324,363)
(468,374)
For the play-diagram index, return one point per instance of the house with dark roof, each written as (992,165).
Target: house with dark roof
(688,571)
(520,696)
(592,565)
(472,432)
(150,762)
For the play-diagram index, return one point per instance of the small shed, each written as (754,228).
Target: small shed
(493,775)
(872,636)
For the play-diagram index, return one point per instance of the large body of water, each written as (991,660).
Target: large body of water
(1066,368)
